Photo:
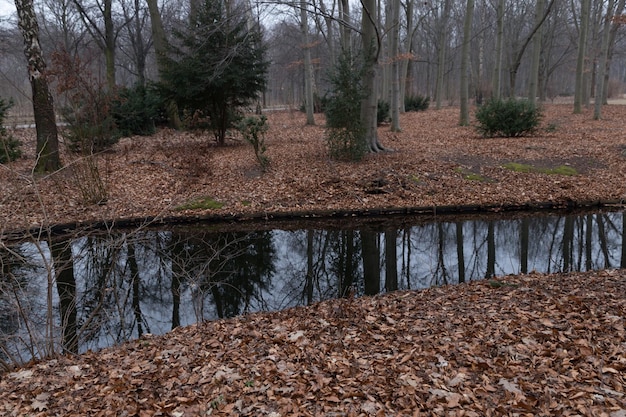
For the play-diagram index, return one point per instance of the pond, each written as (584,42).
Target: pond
(91,290)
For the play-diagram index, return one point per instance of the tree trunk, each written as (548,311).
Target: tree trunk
(441,54)
(496,92)
(371,49)
(109,42)
(582,51)
(597,110)
(408,49)
(395,66)
(344,25)
(308,67)
(43,106)
(465,55)
(536,56)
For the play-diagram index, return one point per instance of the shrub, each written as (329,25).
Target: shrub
(508,118)
(253,130)
(9,146)
(87,110)
(137,110)
(346,144)
(90,124)
(342,106)
(416,103)
(382,112)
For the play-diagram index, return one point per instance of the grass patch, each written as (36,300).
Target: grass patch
(201,203)
(415,179)
(560,170)
(471,176)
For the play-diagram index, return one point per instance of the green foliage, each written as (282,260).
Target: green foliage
(382,112)
(201,203)
(9,146)
(253,130)
(416,103)
(219,67)
(560,170)
(136,110)
(508,118)
(471,176)
(346,144)
(90,127)
(345,134)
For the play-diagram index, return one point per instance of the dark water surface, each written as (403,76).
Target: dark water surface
(96,290)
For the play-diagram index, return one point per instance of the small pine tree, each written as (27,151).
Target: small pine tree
(218,68)
(345,134)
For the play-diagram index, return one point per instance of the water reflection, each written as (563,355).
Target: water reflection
(76,293)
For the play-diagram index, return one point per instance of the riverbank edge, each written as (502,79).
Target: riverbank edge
(295,215)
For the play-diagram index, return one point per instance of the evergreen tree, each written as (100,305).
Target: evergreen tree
(217,68)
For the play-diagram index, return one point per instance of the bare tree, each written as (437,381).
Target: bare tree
(43,106)
(582,50)
(308,66)
(465,55)
(370,41)
(104,35)
(604,52)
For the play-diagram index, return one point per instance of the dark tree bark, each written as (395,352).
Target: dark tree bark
(43,106)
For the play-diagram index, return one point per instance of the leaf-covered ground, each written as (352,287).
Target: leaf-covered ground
(432,163)
(521,345)
(527,345)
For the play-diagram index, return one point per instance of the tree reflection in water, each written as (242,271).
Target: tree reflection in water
(74,293)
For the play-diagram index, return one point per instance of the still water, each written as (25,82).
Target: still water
(89,291)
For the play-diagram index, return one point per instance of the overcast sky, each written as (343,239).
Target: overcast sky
(6,8)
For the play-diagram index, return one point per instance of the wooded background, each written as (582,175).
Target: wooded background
(514,48)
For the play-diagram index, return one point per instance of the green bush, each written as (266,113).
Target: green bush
(9,146)
(508,118)
(137,110)
(382,112)
(253,129)
(342,106)
(416,103)
(346,144)
(90,123)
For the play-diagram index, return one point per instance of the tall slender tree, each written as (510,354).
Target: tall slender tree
(465,55)
(370,40)
(48,159)
(604,52)
(308,66)
(582,51)
(533,85)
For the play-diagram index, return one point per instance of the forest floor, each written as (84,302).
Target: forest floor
(519,345)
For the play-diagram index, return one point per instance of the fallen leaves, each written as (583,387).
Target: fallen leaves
(428,167)
(525,345)
(457,350)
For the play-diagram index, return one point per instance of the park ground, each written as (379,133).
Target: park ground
(518,345)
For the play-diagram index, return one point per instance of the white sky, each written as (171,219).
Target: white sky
(7,7)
